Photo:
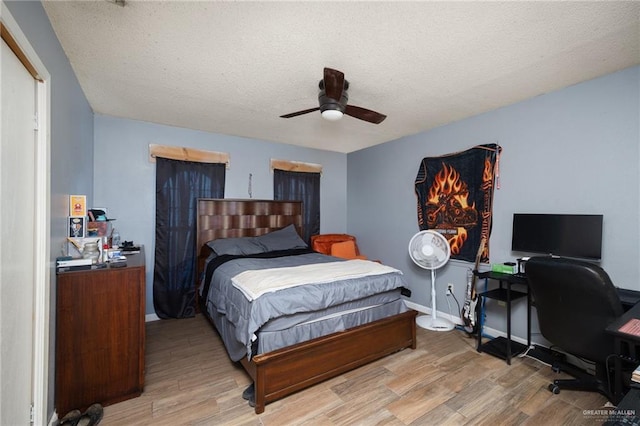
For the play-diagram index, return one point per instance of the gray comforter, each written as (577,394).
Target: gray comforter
(239,320)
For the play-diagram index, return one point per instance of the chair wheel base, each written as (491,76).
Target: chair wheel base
(553,388)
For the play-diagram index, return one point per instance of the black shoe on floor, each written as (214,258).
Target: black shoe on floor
(249,392)
(70,419)
(92,416)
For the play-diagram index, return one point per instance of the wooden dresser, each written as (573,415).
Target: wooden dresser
(100,335)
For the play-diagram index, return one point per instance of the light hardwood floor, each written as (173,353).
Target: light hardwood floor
(191,381)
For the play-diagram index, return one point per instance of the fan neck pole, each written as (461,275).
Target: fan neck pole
(433,295)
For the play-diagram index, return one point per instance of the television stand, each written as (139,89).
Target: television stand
(504,347)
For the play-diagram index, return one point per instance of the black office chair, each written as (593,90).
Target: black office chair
(576,301)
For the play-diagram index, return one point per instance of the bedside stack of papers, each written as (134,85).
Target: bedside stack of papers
(73,262)
(69,264)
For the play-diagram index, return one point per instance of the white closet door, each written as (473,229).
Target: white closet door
(17,238)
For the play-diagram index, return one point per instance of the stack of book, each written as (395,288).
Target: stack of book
(68,264)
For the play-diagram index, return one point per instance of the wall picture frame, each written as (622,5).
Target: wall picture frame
(76,226)
(77,205)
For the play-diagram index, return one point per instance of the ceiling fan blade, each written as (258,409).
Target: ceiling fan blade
(295,114)
(333,83)
(365,114)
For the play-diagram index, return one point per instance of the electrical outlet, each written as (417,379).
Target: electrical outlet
(449,289)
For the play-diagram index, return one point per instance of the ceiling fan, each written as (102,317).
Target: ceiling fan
(333,99)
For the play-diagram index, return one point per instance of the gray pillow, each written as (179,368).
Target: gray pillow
(236,246)
(283,239)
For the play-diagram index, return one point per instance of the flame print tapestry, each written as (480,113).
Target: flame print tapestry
(455,198)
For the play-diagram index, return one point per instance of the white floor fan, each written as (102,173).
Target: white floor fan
(430,250)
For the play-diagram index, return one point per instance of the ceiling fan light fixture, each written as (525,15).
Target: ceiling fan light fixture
(332,114)
(333,100)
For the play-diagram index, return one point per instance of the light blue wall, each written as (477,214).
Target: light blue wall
(71,118)
(571,151)
(71,138)
(125,179)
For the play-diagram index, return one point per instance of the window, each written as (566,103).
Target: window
(178,186)
(303,186)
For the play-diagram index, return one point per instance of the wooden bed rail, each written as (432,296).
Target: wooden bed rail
(288,370)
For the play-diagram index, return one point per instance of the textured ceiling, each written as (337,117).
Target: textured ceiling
(235,67)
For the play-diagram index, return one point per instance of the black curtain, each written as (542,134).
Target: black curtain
(304,187)
(178,186)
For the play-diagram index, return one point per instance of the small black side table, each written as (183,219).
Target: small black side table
(626,346)
(501,347)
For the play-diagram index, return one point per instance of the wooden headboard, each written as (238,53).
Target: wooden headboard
(230,218)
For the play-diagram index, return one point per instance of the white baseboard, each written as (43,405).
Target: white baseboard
(425,310)
(497,333)
(458,321)
(151,317)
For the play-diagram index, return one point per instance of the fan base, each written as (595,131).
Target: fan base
(434,324)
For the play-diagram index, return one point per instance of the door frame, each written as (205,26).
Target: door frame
(42,262)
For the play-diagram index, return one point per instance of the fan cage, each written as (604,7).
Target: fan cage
(435,239)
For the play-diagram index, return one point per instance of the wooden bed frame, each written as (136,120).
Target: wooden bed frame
(285,371)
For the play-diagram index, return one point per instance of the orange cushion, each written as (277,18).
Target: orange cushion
(346,250)
(322,243)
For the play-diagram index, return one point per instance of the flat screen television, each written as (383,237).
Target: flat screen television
(568,235)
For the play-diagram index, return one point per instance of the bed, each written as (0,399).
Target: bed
(367,326)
